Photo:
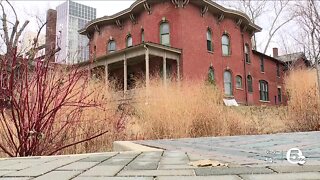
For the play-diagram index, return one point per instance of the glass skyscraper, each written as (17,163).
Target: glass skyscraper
(71,17)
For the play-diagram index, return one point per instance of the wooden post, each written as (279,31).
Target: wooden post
(125,74)
(164,70)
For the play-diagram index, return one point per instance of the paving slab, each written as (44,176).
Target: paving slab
(135,173)
(232,170)
(61,175)
(198,178)
(284,176)
(113,178)
(107,170)
(291,169)
(77,166)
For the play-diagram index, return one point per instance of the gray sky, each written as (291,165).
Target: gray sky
(30,9)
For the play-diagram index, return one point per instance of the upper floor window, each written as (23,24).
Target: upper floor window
(279,95)
(264,90)
(142,35)
(278,70)
(165,34)
(209,40)
(249,82)
(238,82)
(129,41)
(227,83)
(111,46)
(261,64)
(247,53)
(225,45)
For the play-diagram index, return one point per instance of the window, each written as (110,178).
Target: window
(227,83)
(142,35)
(211,79)
(263,87)
(111,46)
(225,45)
(279,95)
(165,34)
(209,40)
(238,82)
(247,53)
(249,82)
(129,41)
(278,70)
(261,64)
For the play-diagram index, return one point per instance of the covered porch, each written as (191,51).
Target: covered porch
(133,67)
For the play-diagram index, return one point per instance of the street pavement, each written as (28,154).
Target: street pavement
(248,158)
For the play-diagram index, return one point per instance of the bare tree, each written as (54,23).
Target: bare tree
(274,11)
(279,8)
(309,20)
(11,29)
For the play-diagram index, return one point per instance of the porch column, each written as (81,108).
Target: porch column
(125,84)
(164,69)
(178,69)
(147,68)
(106,71)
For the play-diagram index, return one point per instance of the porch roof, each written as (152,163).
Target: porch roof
(135,51)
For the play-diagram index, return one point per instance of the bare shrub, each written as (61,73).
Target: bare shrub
(303,103)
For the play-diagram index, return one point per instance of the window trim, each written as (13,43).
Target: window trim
(228,45)
(278,70)
(250,85)
(142,35)
(247,53)
(162,34)
(231,83)
(241,84)
(264,93)
(109,50)
(262,69)
(209,40)
(127,40)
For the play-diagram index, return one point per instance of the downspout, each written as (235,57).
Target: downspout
(244,68)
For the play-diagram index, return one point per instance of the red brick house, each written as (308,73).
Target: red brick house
(185,39)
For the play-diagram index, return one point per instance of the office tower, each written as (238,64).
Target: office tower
(71,17)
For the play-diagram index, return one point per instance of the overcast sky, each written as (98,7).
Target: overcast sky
(29,9)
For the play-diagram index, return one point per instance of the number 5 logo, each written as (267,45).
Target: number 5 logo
(294,156)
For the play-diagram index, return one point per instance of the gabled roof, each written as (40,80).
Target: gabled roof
(138,6)
(269,57)
(291,57)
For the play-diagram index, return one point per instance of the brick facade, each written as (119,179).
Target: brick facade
(188,30)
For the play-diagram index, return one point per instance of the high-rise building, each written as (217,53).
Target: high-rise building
(71,17)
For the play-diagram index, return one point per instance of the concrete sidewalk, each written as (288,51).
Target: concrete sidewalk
(170,164)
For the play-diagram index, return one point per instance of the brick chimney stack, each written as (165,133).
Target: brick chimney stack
(275,52)
(51,34)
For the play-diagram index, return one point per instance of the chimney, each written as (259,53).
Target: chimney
(51,34)
(275,52)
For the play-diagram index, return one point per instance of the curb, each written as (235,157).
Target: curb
(130,146)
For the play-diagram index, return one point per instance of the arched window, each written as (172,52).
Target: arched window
(247,53)
(142,35)
(111,46)
(227,83)
(209,40)
(238,82)
(165,34)
(225,45)
(211,79)
(264,90)
(129,41)
(249,82)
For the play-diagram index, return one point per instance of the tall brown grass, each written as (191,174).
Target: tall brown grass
(303,101)
(192,109)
